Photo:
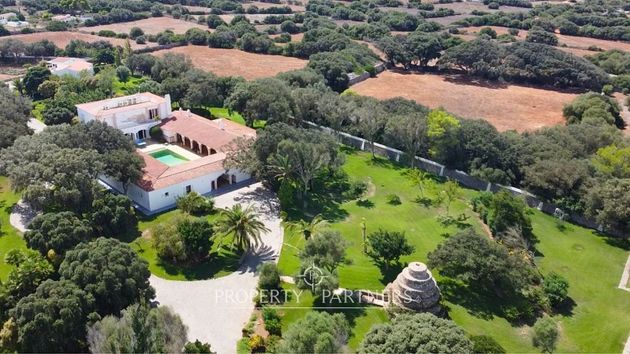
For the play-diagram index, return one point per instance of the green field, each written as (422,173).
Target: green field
(593,265)
(9,237)
(222,260)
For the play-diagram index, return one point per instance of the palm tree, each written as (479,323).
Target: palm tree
(307,228)
(243,224)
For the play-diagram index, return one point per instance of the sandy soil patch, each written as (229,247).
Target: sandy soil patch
(233,62)
(62,39)
(266,5)
(200,9)
(6,77)
(504,106)
(470,6)
(253,18)
(152,25)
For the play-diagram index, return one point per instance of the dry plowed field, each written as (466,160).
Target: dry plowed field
(575,44)
(61,39)
(506,107)
(152,25)
(233,62)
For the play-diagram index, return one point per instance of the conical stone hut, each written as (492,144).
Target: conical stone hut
(415,289)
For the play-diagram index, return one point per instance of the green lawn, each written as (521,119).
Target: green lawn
(222,260)
(38,110)
(234,116)
(10,238)
(592,264)
(123,88)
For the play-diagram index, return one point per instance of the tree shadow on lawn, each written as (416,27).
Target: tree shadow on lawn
(222,260)
(388,273)
(619,242)
(350,309)
(477,302)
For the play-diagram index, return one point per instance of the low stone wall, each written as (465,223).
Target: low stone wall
(354,79)
(467,180)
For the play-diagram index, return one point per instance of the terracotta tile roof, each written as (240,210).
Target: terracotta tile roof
(77,64)
(158,175)
(215,134)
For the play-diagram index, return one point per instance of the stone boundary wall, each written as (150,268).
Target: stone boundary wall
(467,180)
(354,79)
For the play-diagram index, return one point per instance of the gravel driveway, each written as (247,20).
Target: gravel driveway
(216,310)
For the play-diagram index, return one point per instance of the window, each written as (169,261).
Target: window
(188,189)
(153,113)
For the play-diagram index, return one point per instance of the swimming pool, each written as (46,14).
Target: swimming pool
(168,157)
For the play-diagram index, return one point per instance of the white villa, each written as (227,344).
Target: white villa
(70,66)
(190,159)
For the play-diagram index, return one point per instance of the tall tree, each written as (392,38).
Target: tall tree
(327,250)
(110,271)
(408,131)
(266,99)
(371,119)
(53,318)
(317,332)
(243,224)
(388,246)
(14,117)
(34,77)
(416,333)
(140,329)
(545,334)
(308,228)
(59,232)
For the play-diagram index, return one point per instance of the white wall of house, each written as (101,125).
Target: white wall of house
(167,197)
(71,72)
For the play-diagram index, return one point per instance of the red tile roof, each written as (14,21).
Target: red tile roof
(215,134)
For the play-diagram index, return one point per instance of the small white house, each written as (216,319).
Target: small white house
(70,66)
(191,159)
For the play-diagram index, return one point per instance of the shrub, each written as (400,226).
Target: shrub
(57,26)
(538,35)
(486,345)
(493,6)
(545,334)
(107,33)
(136,32)
(608,89)
(513,31)
(123,73)
(195,204)
(197,347)
(393,199)
(256,344)
(269,278)
(556,288)
(489,32)
(141,40)
(272,321)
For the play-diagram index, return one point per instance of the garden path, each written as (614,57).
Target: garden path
(216,310)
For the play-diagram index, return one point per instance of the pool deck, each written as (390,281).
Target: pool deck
(153,147)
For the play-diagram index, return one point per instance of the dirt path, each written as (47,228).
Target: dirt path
(216,310)
(625,112)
